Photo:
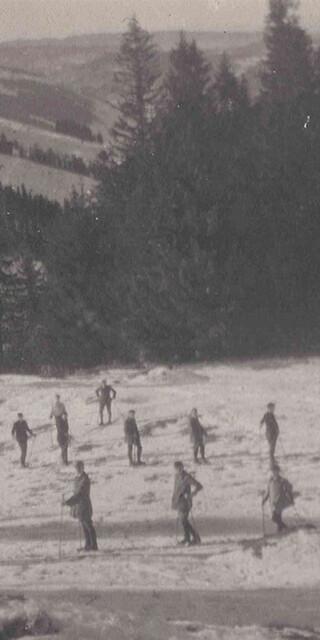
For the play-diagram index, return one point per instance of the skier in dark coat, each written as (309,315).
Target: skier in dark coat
(105,394)
(197,436)
(20,431)
(81,506)
(59,413)
(272,429)
(280,494)
(182,502)
(132,437)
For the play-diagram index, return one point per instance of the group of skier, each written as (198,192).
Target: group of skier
(279,491)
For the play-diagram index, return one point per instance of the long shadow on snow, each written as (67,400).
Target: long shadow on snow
(212,526)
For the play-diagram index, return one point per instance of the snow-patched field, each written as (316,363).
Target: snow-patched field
(135,525)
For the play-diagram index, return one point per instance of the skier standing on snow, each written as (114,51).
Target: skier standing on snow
(105,394)
(197,435)
(280,494)
(20,431)
(272,429)
(60,415)
(182,502)
(81,507)
(132,437)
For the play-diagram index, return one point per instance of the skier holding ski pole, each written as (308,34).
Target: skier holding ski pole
(21,432)
(81,507)
(197,435)
(61,418)
(182,502)
(132,438)
(280,494)
(105,394)
(272,429)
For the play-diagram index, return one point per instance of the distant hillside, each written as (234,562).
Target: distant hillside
(52,183)
(30,98)
(85,64)
(46,80)
(28,135)
(41,80)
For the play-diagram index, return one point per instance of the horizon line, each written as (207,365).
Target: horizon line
(119,32)
(83,34)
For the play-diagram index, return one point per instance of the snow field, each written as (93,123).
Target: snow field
(135,525)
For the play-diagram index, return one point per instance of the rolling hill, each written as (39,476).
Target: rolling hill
(28,135)
(46,80)
(42,79)
(41,180)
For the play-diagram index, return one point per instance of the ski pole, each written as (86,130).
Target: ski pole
(282,447)
(61,528)
(31,449)
(80,536)
(260,456)
(194,526)
(263,522)
(193,521)
(177,527)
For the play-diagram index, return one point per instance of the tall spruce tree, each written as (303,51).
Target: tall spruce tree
(230,93)
(188,80)
(136,82)
(287,68)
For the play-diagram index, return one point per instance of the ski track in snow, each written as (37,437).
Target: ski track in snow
(231,400)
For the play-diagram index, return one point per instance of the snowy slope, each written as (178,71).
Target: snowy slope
(135,525)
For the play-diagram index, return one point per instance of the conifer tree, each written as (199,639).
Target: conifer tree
(136,82)
(287,69)
(230,93)
(189,76)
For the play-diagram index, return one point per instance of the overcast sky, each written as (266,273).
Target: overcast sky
(60,18)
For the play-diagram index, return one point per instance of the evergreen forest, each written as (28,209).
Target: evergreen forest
(202,240)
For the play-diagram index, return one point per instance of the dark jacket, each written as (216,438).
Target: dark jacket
(20,430)
(197,432)
(272,427)
(131,432)
(182,498)
(80,501)
(104,393)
